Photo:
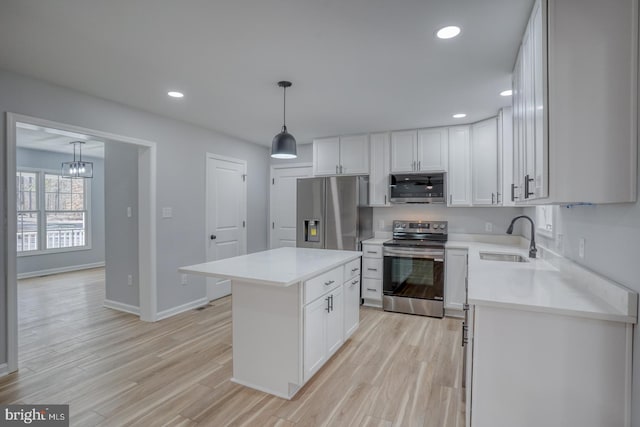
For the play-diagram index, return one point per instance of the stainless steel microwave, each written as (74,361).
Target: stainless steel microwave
(417,188)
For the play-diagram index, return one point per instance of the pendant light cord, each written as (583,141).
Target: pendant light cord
(284,109)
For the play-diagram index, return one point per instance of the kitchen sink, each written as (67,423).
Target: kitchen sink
(496,256)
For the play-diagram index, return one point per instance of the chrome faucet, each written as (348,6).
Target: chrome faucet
(532,245)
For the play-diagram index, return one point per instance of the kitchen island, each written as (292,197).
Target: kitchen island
(292,309)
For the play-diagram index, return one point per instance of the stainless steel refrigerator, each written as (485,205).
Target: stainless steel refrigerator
(333,212)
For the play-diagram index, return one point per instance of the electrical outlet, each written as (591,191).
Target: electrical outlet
(381,224)
(581,247)
(183,279)
(130,280)
(128,211)
(488,227)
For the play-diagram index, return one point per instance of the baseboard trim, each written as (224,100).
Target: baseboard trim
(182,308)
(4,369)
(59,270)
(120,306)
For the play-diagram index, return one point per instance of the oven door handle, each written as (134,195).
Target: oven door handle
(399,253)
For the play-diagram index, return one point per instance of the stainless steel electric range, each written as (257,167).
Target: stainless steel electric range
(413,280)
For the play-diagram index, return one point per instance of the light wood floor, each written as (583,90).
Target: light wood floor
(397,370)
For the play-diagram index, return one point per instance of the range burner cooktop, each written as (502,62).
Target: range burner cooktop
(419,234)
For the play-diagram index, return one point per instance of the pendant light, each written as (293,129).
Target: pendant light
(77,168)
(283,145)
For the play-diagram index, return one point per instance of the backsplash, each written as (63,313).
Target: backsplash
(461,220)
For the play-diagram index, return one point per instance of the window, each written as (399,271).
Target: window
(52,212)
(544,220)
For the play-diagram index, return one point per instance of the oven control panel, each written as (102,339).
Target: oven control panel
(431,227)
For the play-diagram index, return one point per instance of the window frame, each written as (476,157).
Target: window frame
(42,214)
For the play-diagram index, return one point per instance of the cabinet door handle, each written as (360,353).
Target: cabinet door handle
(497,198)
(450,199)
(336,169)
(385,199)
(513,192)
(353,270)
(354,282)
(328,306)
(329,282)
(331,301)
(213,237)
(419,164)
(372,269)
(492,198)
(372,290)
(341,169)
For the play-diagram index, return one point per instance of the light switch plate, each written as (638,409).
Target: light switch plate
(183,279)
(488,227)
(129,212)
(167,212)
(130,280)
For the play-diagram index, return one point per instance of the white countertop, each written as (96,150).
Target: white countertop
(553,284)
(276,267)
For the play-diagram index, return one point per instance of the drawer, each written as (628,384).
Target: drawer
(352,269)
(372,289)
(323,283)
(372,268)
(372,251)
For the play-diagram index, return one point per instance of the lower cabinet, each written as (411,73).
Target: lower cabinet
(455,278)
(351,293)
(331,318)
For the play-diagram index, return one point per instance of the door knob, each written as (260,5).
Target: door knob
(213,237)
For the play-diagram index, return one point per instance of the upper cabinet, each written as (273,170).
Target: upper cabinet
(575,104)
(379,151)
(484,163)
(341,155)
(459,176)
(424,150)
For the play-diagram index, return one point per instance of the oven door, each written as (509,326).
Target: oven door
(413,273)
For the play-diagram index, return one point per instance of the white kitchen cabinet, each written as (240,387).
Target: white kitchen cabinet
(459,176)
(372,274)
(432,150)
(455,278)
(323,329)
(484,159)
(379,152)
(424,150)
(505,158)
(315,331)
(575,104)
(351,292)
(354,154)
(347,155)
(577,369)
(404,149)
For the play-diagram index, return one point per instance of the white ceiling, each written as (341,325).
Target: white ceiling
(356,65)
(57,141)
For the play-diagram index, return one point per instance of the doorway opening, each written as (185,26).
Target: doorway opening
(48,213)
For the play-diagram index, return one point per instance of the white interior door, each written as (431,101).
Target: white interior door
(226,202)
(283,203)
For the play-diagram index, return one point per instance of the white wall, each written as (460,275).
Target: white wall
(180,179)
(121,192)
(461,220)
(49,160)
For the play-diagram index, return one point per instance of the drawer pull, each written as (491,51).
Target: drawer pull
(372,290)
(372,269)
(372,252)
(353,270)
(329,282)
(354,282)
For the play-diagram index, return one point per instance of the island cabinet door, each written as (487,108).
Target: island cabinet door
(351,306)
(335,321)
(315,335)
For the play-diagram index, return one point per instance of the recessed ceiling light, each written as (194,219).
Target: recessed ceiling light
(459,116)
(175,94)
(507,92)
(448,32)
